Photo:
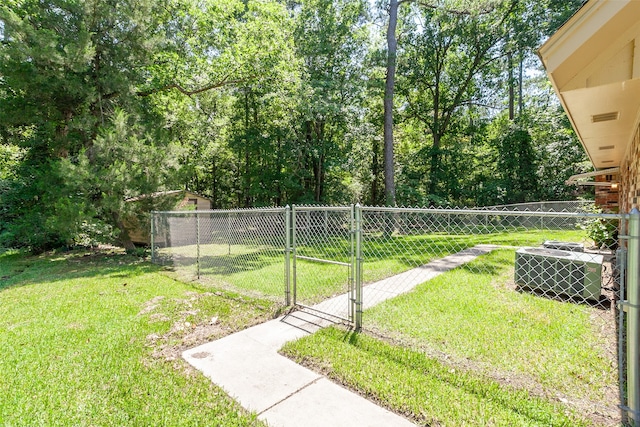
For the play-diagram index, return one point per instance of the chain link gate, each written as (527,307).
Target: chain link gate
(324,249)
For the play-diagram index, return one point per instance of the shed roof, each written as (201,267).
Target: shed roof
(162,194)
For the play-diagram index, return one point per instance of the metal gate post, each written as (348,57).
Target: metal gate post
(352,267)
(229,232)
(287,254)
(358,267)
(633,318)
(293,252)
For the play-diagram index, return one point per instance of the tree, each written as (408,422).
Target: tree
(331,40)
(65,69)
(236,140)
(263,102)
(73,71)
(446,56)
(517,165)
(389,89)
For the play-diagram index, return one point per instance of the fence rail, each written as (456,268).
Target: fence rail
(518,292)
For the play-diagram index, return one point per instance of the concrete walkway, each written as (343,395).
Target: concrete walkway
(248,367)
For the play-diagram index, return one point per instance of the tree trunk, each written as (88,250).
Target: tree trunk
(308,156)
(520,96)
(511,83)
(247,155)
(392,45)
(214,184)
(278,201)
(434,164)
(437,132)
(247,178)
(317,179)
(374,172)
(125,239)
(320,160)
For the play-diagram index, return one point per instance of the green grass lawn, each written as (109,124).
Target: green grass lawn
(259,270)
(95,339)
(480,341)
(422,388)
(469,313)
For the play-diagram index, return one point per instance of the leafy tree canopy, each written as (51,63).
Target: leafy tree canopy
(262,102)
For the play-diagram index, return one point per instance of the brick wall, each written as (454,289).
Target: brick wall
(630,176)
(607,197)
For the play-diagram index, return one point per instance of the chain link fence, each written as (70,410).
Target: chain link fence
(240,250)
(549,206)
(533,299)
(562,256)
(522,297)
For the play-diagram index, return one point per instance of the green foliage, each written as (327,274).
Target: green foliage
(41,209)
(67,68)
(122,163)
(517,165)
(602,231)
(560,153)
(256,103)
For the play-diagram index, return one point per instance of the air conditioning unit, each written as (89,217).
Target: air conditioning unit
(575,274)
(564,246)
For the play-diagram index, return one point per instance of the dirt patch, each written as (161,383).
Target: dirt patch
(182,336)
(183,333)
(201,355)
(193,325)
(151,305)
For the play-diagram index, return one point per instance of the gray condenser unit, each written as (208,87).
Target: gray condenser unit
(564,246)
(575,274)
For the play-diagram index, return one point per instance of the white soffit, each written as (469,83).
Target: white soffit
(593,62)
(605,140)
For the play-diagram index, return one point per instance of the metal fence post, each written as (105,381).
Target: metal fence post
(633,317)
(358,267)
(152,237)
(326,223)
(287,254)
(229,232)
(198,244)
(293,252)
(622,264)
(352,267)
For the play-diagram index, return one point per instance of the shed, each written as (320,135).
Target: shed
(138,226)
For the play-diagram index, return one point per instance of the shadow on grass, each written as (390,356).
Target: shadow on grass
(512,400)
(21,269)
(225,265)
(416,250)
(488,266)
(408,251)
(603,303)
